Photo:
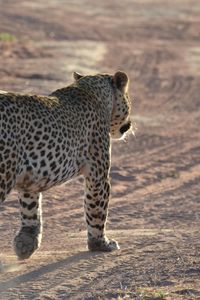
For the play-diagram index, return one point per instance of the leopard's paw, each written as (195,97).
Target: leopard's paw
(103,244)
(27,241)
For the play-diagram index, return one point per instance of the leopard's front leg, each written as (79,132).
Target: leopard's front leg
(28,239)
(97,192)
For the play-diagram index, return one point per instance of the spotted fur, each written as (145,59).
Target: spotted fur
(47,140)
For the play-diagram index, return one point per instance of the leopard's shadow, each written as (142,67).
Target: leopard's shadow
(36,274)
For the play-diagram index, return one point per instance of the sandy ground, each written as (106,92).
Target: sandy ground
(155,205)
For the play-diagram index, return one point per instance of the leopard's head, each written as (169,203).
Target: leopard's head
(120,124)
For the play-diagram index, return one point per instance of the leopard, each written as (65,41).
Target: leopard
(48,140)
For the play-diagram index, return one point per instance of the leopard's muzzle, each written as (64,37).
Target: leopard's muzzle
(125,127)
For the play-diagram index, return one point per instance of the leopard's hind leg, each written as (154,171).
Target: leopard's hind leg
(28,239)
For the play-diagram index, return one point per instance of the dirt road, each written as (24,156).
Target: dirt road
(155,207)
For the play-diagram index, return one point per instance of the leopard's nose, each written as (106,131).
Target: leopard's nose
(125,127)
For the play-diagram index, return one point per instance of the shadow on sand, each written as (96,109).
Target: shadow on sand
(34,275)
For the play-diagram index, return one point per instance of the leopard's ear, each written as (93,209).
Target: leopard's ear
(121,80)
(77,76)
